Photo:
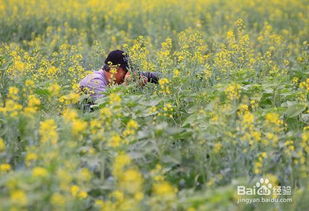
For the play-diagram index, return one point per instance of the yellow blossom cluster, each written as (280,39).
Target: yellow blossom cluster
(77,192)
(114,98)
(70,98)
(77,125)
(12,106)
(129,182)
(48,131)
(259,163)
(131,128)
(5,167)
(164,85)
(233,91)
(2,145)
(33,105)
(305,84)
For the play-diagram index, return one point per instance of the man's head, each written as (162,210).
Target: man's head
(116,66)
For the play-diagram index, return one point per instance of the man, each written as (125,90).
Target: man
(115,71)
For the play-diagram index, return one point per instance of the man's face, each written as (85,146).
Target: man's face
(118,75)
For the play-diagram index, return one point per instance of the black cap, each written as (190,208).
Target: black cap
(117,57)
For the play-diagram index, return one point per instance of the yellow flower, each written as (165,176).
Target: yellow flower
(176,73)
(78,126)
(71,98)
(230,34)
(130,180)
(207,73)
(164,85)
(256,135)
(12,107)
(217,147)
(5,167)
(233,91)
(65,178)
(84,174)
(19,65)
(163,81)
(106,112)
(19,197)
(128,132)
(120,162)
(95,124)
(13,91)
(30,157)
(153,109)
(273,118)
(254,103)
(138,196)
(118,195)
(52,70)
(167,107)
(99,203)
(48,131)
(164,188)
(75,190)
(295,80)
(305,84)
(273,179)
(29,83)
(257,167)
(30,110)
(115,141)
(2,145)
(54,89)
(114,98)
(248,118)
(158,178)
(243,107)
(33,101)
(263,155)
(82,194)
(69,114)
(132,124)
(39,172)
(57,199)
(131,127)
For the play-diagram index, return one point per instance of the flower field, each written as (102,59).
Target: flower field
(231,105)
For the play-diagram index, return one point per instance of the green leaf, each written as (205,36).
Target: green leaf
(295,110)
(42,92)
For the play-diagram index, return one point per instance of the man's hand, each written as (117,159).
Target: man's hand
(127,78)
(142,80)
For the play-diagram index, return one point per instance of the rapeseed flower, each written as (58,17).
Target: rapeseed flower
(164,189)
(30,157)
(39,172)
(2,145)
(115,141)
(57,199)
(114,98)
(5,167)
(48,131)
(19,197)
(233,91)
(130,180)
